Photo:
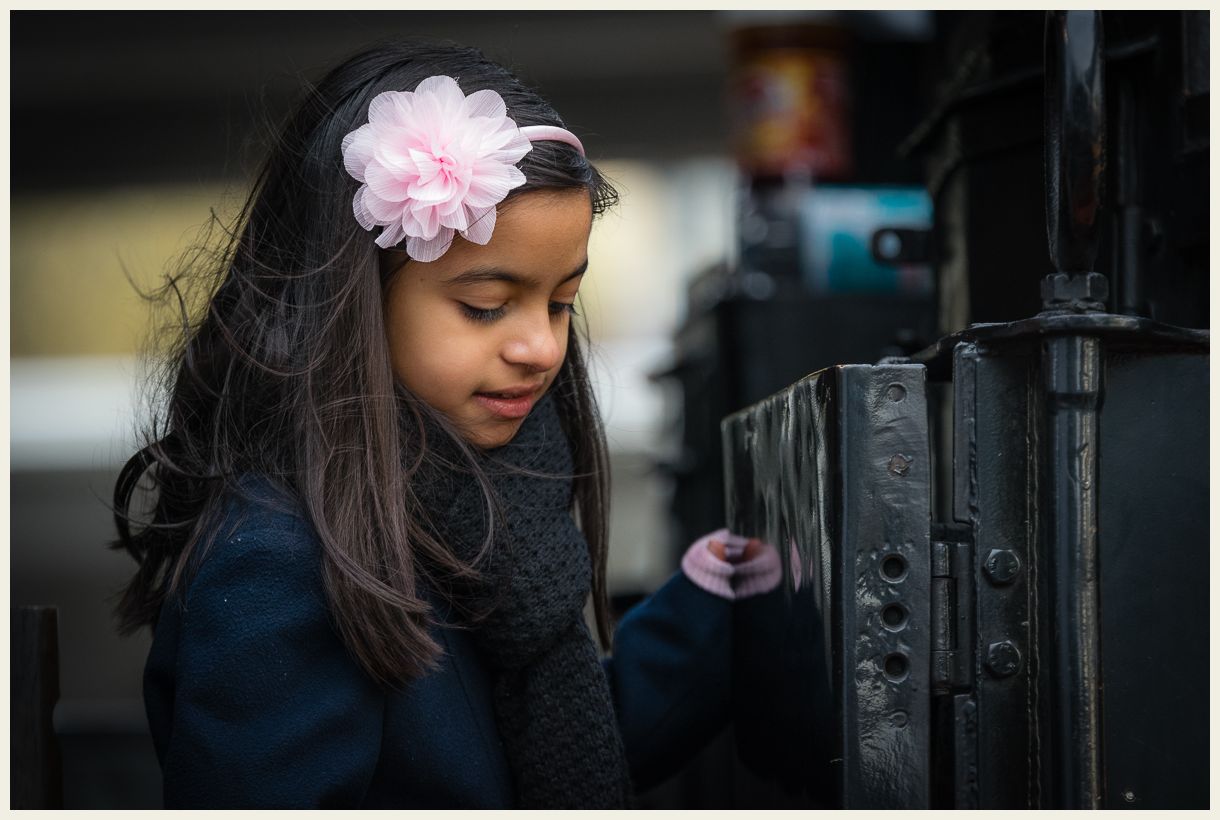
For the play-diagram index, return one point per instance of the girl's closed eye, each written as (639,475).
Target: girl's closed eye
(482,314)
(478,314)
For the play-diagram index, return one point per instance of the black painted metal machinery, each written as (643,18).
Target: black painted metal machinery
(996,549)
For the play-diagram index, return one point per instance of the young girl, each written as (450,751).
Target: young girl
(362,567)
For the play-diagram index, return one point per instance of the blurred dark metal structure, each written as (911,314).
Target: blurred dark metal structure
(754,324)
(1006,533)
(36,768)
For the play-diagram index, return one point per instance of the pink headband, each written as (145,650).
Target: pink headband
(435,162)
(533,133)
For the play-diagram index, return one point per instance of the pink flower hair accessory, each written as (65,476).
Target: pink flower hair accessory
(435,162)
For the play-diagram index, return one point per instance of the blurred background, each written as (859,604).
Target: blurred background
(798,190)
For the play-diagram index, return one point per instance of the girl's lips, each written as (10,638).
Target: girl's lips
(515,408)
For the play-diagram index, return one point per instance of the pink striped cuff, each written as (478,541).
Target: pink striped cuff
(730,580)
(760,574)
(706,570)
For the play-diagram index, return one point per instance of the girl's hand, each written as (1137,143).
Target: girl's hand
(735,553)
(732,566)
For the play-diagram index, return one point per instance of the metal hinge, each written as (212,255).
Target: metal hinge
(952,612)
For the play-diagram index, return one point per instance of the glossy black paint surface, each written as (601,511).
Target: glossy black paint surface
(835,470)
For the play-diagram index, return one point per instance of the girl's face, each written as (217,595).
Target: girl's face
(480,333)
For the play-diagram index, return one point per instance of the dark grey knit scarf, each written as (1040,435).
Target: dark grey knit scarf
(552,700)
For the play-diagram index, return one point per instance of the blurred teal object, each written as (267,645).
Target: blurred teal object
(836,226)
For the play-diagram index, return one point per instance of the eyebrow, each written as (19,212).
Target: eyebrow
(476,276)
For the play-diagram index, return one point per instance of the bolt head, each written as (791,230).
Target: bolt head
(1003,659)
(1002,566)
(1054,287)
(1076,291)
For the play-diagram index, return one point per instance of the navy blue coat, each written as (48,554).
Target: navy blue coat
(253,700)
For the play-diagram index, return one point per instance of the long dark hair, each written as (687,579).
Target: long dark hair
(286,375)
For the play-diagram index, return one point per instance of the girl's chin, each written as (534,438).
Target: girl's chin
(491,436)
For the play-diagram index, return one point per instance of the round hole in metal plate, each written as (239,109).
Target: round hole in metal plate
(894,617)
(896,666)
(893,568)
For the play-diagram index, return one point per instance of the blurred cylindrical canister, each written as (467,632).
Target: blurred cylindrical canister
(790,99)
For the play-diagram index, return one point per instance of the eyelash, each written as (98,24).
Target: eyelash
(491,314)
(480,314)
(564,307)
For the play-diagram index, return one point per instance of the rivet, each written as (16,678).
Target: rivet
(895,392)
(900,464)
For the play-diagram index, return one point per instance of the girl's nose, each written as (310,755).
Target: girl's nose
(534,343)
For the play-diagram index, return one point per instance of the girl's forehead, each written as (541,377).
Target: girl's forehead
(541,240)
